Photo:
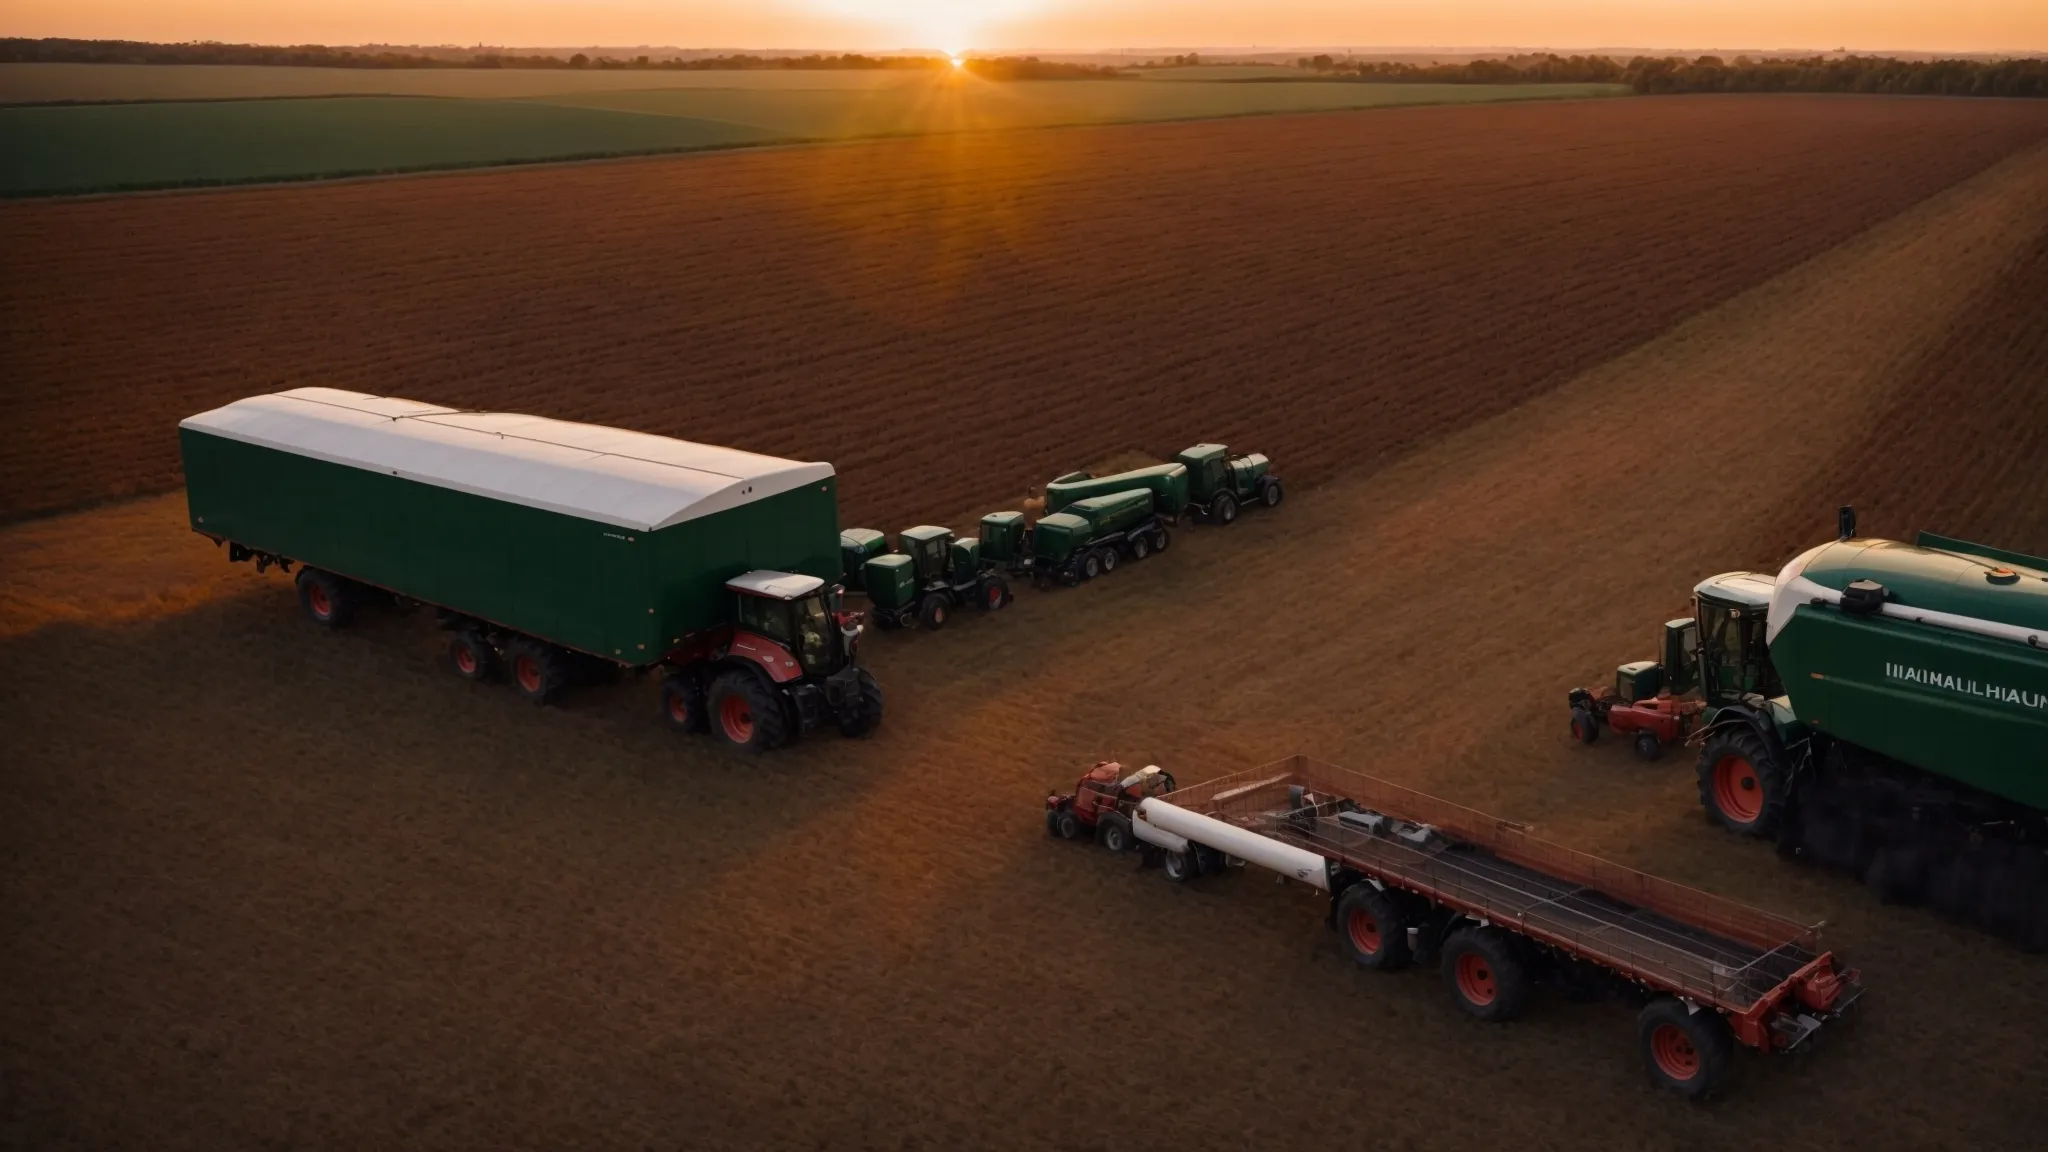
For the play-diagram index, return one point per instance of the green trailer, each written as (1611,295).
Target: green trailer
(549,550)
(1205,482)
(1880,707)
(1086,540)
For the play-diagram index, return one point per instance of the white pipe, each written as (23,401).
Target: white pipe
(1231,840)
(1153,836)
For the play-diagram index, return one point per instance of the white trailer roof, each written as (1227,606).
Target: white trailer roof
(629,479)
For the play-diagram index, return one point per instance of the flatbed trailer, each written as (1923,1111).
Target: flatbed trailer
(1414,877)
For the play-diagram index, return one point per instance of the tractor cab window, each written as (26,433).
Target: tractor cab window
(765,616)
(817,635)
(1734,658)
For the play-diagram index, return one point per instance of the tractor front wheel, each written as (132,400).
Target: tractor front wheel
(1742,786)
(1223,509)
(867,714)
(1065,824)
(933,613)
(745,714)
(1647,746)
(995,593)
(1272,493)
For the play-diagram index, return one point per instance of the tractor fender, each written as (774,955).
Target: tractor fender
(777,662)
(1796,768)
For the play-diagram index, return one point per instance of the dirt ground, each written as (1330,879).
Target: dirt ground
(271,888)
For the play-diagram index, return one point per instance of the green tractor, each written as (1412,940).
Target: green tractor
(933,575)
(1880,708)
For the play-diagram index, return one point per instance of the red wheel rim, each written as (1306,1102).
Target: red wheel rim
(1672,1049)
(1737,792)
(316,599)
(1475,979)
(737,719)
(678,708)
(528,671)
(1365,931)
(465,659)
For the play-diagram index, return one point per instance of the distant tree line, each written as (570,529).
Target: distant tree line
(1672,74)
(22,51)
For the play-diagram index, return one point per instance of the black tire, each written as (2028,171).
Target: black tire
(1180,867)
(683,704)
(1223,509)
(1065,824)
(1091,566)
(1742,785)
(1114,833)
(1272,493)
(745,714)
(1585,726)
(995,593)
(1648,747)
(1052,822)
(867,714)
(1687,1052)
(538,671)
(1485,974)
(1108,560)
(471,657)
(1372,929)
(329,600)
(934,611)
(1141,547)
(1162,540)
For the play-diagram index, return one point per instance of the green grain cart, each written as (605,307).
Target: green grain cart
(551,551)
(1882,707)
(1085,541)
(1204,481)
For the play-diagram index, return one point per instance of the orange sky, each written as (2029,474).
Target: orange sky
(1928,25)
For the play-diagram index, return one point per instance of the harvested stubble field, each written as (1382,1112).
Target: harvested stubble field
(280,889)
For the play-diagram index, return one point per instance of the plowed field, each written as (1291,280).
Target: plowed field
(267,888)
(1334,289)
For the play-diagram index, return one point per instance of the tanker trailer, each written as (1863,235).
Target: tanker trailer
(1204,481)
(1882,707)
(1085,541)
(550,551)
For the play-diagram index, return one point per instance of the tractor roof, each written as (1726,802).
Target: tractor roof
(1204,452)
(627,479)
(924,532)
(857,537)
(775,585)
(1749,589)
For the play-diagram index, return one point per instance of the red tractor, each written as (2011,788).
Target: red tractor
(1101,804)
(1639,703)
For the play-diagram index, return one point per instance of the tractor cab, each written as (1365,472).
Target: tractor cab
(929,549)
(1208,468)
(1733,654)
(798,612)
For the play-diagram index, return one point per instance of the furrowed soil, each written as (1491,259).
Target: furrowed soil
(951,320)
(272,888)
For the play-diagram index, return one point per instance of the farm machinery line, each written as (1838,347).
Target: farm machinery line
(1876,707)
(1090,525)
(1412,879)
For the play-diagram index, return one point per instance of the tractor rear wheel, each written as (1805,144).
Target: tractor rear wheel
(932,614)
(1688,1052)
(1585,726)
(1485,974)
(1372,929)
(745,714)
(1114,831)
(1647,746)
(682,704)
(1223,509)
(329,600)
(867,714)
(538,671)
(472,657)
(1065,824)
(1742,786)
